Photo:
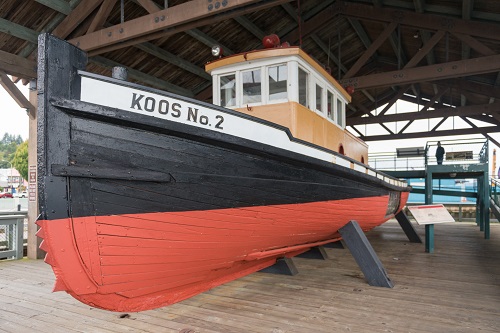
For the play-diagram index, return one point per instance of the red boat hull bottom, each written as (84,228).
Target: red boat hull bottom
(138,262)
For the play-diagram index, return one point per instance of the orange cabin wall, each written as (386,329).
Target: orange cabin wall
(309,126)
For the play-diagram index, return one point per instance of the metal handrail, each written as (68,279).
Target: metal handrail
(13,223)
(495,190)
(390,160)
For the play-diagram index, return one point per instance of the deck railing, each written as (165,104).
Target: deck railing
(12,228)
(463,151)
(495,191)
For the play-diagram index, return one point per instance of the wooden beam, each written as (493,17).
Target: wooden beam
(393,100)
(17,66)
(149,5)
(27,51)
(371,50)
(475,44)
(18,31)
(445,112)
(319,12)
(60,6)
(309,26)
(77,15)
(208,41)
(15,93)
(428,134)
(472,86)
(427,47)
(167,18)
(420,20)
(189,25)
(173,59)
(251,27)
(448,70)
(102,15)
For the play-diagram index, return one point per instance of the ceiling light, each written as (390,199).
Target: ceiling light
(216,51)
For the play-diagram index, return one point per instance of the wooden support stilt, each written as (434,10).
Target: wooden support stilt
(365,255)
(317,252)
(335,245)
(284,266)
(408,228)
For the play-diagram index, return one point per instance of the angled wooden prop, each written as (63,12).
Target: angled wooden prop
(15,93)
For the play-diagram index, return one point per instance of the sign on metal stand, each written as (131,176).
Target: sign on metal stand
(429,215)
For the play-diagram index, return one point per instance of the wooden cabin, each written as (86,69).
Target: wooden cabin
(289,88)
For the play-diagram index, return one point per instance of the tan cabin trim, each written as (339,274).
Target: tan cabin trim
(309,126)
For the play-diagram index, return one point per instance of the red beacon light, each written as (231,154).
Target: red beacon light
(273,41)
(270,41)
(350,90)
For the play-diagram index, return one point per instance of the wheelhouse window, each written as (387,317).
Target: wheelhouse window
(228,90)
(252,86)
(319,98)
(329,105)
(340,111)
(303,78)
(278,77)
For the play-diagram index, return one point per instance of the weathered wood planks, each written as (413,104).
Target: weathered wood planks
(456,289)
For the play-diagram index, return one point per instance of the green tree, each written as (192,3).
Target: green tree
(20,159)
(8,146)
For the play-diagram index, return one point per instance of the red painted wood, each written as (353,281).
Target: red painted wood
(136,262)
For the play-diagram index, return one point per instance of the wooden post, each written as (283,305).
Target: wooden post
(365,255)
(34,251)
(283,266)
(317,252)
(408,228)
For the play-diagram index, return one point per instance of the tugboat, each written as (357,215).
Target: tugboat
(148,198)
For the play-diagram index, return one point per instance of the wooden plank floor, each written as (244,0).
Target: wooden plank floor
(456,289)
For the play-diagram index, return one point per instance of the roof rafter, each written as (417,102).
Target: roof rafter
(491,109)
(149,5)
(17,66)
(77,15)
(15,93)
(60,6)
(428,134)
(18,31)
(102,15)
(447,70)
(371,50)
(191,14)
(419,20)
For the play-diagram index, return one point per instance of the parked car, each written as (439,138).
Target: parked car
(22,194)
(5,195)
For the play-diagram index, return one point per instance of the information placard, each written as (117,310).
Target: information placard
(32,183)
(431,214)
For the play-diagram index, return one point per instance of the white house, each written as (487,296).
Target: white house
(10,178)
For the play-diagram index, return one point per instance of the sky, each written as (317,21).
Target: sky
(13,119)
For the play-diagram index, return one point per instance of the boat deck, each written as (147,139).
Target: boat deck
(455,289)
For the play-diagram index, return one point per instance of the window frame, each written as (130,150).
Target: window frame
(219,88)
(317,85)
(267,96)
(308,86)
(242,95)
